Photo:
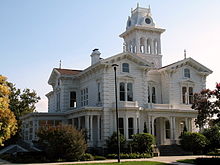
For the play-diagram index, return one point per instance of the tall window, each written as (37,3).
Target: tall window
(186,73)
(99,92)
(84,97)
(167,125)
(73,99)
(122,91)
(130,128)
(58,101)
(126,91)
(129,92)
(152,95)
(125,67)
(142,47)
(187,95)
(121,126)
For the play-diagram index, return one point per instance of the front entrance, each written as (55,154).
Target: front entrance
(162,131)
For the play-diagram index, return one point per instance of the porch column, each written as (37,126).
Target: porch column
(126,127)
(98,127)
(187,124)
(91,128)
(149,124)
(174,128)
(87,126)
(135,125)
(171,128)
(153,133)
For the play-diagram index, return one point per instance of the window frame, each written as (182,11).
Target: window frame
(186,73)
(125,68)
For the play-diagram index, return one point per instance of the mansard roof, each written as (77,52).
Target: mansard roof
(188,61)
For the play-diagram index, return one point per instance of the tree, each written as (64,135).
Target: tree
(195,142)
(142,143)
(207,103)
(62,142)
(8,123)
(112,143)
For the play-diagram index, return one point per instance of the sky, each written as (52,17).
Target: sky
(36,34)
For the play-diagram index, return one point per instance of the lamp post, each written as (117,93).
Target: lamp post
(116,110)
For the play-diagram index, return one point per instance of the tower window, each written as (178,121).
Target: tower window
(186,73)
(125,67)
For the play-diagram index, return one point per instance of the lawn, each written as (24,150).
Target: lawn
(190,161)
(128,163)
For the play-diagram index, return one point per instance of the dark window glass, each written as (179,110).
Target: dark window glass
(130,128)
(129,92)
(190,95)
(148,89)
(153,95)
(125,67)
(122,91)
(121,126)
(73,99)
(184,95)
(187,73)
(167,124)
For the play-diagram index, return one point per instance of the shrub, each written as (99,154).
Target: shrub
(143,142)
(87,157)
(194,142)
(213,136)
(129,156)
(99,157)
(62,142)
(112,144)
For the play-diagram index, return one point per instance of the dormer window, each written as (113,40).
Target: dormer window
(186,73)
(125,67)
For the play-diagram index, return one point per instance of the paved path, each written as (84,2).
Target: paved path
(165,159)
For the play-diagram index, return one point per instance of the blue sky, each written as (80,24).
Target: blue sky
(36,34)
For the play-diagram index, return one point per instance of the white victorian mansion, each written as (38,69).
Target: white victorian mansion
(160,96)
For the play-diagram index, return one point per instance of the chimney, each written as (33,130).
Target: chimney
(95,56)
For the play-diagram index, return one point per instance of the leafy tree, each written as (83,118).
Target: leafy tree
(8,123)
(142,143)
(194,142)
(62,142)
(112,143)
(213,136)
(207,103)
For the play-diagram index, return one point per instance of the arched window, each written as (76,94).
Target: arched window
(167,125)
(153,95)
(142,46)
(129,92)
(186,73)
(125,67)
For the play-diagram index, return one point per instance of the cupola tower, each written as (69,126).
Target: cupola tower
(142,38)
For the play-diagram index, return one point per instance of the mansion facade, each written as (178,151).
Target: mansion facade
(150,94)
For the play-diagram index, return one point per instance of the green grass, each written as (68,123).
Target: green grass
(191,161)
(128,163)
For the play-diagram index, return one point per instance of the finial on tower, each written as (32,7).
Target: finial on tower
(131,10)
(137,5)
(60,64)
(184,53)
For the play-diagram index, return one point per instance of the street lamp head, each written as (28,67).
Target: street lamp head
(114,66)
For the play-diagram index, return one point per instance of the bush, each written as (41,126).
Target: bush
(142,143)
(205,161)
(194,142)
(87,157)
(99,157)
(112,144)
(129,156)
(62,142)
(213,136)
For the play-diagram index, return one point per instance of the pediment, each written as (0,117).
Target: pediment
(132,57)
